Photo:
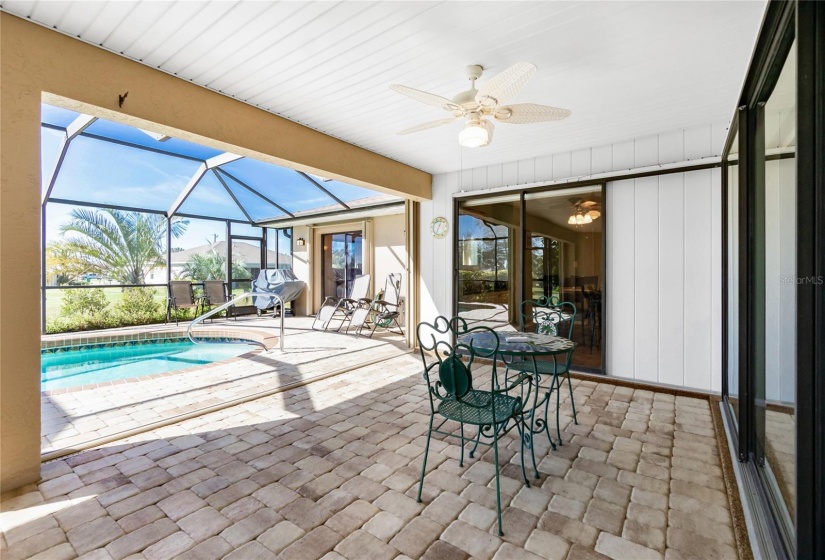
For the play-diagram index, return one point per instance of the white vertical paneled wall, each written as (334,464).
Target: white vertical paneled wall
(663,314)
(664,279)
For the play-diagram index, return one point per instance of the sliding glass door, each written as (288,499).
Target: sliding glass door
(775,284)
(774,192)
(545,243)
(485,259)
(342,261)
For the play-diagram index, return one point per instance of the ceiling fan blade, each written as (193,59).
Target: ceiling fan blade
(505,85)
(424,97)
(525,113)
(425,126)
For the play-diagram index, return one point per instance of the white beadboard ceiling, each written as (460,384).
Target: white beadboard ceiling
(625,69)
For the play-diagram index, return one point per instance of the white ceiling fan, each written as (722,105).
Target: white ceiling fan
(478,106)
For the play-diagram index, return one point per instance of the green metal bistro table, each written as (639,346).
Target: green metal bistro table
(528,346)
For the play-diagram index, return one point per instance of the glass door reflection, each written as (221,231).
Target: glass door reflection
(342,261)
(775,281)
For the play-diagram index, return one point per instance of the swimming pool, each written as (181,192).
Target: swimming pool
(75,366)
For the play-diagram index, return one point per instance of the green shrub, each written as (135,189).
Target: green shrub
(138,306)
(86,322)
(83,302)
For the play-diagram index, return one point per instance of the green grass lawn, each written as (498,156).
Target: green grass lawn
(54,299)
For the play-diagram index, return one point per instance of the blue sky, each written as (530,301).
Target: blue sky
(106,173)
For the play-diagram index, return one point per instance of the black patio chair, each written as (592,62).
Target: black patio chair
(182,296)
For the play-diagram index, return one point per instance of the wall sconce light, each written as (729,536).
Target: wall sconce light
(300,242)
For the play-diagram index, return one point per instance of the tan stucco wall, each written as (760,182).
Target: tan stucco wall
(384,251)
(36,64)
(301,265)
(390,250)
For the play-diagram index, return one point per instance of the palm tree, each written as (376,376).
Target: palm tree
(211,267)
(123,246)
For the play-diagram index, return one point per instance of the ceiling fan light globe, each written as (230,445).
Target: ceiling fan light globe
(588,219)
(572,220)
(474,135)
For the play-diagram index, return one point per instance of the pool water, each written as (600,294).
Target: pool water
(95,364)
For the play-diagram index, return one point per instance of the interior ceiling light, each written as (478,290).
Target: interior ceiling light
(579,218)
(472,104)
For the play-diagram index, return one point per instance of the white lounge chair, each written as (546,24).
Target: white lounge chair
(342,310)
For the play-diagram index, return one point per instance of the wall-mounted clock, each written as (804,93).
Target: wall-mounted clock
(439,227)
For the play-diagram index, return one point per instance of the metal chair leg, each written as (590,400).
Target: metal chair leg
(532,448)
(424,462)
(572,401)
(522,435)
(546,414)
(478,440)
(461,460)
(558,403)
(498,484)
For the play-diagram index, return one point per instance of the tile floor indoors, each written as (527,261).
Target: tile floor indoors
(329,470)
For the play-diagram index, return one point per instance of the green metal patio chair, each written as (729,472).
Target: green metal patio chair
(453,397)
(546,316)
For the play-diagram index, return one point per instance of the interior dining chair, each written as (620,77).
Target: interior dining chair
(454,396)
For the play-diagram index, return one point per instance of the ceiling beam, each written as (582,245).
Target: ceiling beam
(221,159)
(81,123)
(187,190)
(318,185)
(231,194)
(256,193)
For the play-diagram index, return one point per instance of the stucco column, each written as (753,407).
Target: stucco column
(19,275)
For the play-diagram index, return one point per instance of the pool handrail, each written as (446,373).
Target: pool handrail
(232,302)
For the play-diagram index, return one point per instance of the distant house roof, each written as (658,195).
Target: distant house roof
(246,253)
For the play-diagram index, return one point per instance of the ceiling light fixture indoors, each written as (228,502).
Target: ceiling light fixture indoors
(474,104)
(580,217)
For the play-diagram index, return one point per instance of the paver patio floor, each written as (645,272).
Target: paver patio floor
(76,417)
(330,470)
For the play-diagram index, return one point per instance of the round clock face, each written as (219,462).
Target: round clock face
(438,227)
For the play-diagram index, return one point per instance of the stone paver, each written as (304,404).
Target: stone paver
(281,536)
(330,470)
